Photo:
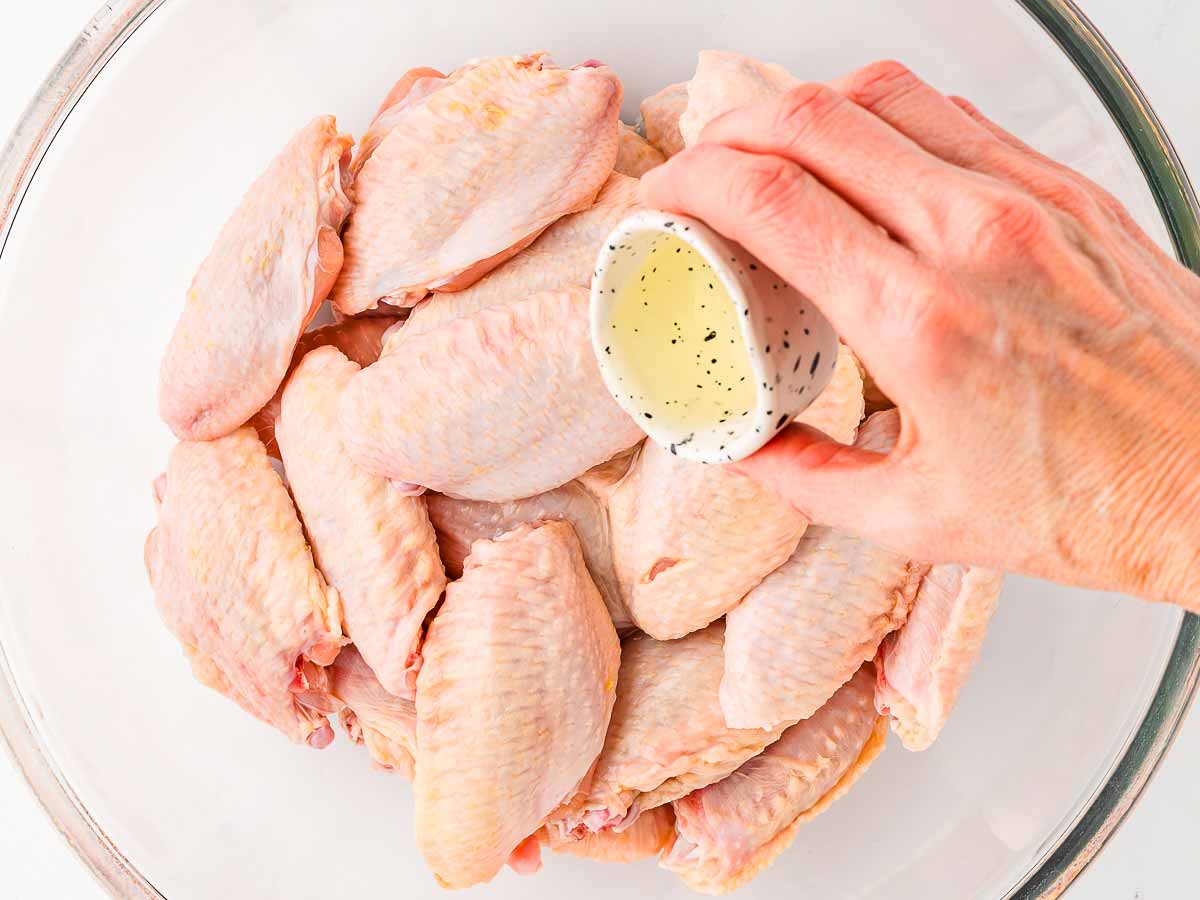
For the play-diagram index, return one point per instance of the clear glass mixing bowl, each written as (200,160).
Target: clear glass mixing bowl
(111,191)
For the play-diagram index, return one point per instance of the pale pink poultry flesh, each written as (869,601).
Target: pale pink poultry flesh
(647,836)
(667,736)
(236,584)
(923,666)
(812,623)
(839,408)
(459,523)
(727,81)
(411,88)
(690,540)
(371,540)
(729,832)
(635,155)
(361,339)
(384,723)
(660,118)
(563,256)
(472,172)
(513,701)
(503,404)
(273,263)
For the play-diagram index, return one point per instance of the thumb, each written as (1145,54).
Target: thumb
(849,487)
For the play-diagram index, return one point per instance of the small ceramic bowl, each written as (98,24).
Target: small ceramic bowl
(709,350)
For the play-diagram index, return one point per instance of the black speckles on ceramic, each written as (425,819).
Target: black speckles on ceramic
(786,339)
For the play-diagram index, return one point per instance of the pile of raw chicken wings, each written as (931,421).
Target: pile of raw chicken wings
(429,521)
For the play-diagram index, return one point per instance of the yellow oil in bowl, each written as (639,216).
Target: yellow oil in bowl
(678,340)
(710,351)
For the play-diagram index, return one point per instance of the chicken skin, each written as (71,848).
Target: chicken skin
(729,832)
(373,542)
(513,701)
(563,256)
(668,736)
(411,88)
(660,118)
(360,339)
(472,172)
(726,81)
(236,584)
(459,523)
(812,623)
(923,666)
(647,836)
(635,155)
(272,265)
(385,723)
(503,404)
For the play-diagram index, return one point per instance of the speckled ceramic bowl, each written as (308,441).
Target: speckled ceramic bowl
(111,191)
(790,345)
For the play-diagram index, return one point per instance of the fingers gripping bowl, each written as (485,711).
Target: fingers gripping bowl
(104,774)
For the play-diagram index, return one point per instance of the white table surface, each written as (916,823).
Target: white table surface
(1151,857)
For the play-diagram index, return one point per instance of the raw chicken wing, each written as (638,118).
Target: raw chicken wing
(459,523)
(726,81)
(810,624)
(236,584)
(923,666)
(385,723)
(729,832)
(635,155)
(413,87)
(689,540)
(801,633)
(472,172)
(360,339)
(373,542)
(563,256)
(645,837)
(513,701)
(839,408)
(667,737)
(272,265)
(660,118)
(503,404)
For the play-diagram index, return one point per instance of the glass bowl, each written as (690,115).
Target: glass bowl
(111,191)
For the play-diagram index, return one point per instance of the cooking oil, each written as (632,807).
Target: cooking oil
(676,339)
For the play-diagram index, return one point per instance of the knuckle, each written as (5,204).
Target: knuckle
(1111,206)
(1000,159)
(1054,185)
(966,106)
(799,109)
(763,187)
(874,85)
(1008,223)
(1069,195)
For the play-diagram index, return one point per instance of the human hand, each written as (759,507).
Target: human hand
(1043,352)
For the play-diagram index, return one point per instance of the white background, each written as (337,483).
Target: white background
(1151,857)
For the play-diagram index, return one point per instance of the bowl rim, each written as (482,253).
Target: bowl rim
(1100,66)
